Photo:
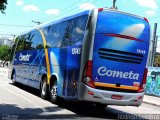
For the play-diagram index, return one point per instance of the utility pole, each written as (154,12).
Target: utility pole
(37,22)
(153,45)
(156,43)
(114,5)
(155,60)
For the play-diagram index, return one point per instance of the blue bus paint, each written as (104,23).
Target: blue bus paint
(120,43)
(104,46)
(65,63)
(30,64)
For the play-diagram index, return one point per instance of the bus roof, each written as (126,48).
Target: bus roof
(86,12)
(118,11)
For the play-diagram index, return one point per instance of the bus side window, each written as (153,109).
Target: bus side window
(36,40)
(28,41)
(52,34)
(12,50)
(79,30)
(72,27)
(64,35)
(89,22)
(20,44)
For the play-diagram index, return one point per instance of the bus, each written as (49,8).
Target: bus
(96,56)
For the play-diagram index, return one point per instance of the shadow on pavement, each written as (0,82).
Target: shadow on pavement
(82,110)
(90,110)
(28,89)
(14,112)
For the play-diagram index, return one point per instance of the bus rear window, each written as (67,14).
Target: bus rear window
(112,22)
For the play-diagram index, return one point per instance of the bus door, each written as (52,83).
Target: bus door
(71,54)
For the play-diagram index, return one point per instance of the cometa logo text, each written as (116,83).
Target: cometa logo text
(24,57)
(102,71)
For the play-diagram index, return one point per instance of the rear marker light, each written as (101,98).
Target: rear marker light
(135,100)
(91,93)
(140,97)
(100,9)
(146,20)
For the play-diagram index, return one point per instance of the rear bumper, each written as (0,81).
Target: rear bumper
(104,97)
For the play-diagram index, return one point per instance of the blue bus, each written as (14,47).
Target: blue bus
(97,55)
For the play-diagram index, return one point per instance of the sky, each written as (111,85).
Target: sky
(23,14)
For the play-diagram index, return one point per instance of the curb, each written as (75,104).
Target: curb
(146,102)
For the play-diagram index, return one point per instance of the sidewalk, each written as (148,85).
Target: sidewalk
(3,70)
(153,100)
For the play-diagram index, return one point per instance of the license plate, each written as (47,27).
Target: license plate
(116,97)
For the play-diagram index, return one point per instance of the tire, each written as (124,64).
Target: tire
(44,89)
(53,93)
(101,106)
(14,79)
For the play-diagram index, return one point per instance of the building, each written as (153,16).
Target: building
(6,41)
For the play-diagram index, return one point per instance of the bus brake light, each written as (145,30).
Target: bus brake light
(142,86)
(87,76)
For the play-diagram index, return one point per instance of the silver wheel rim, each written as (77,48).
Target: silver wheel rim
(13,80)
(44,88)
(54,91)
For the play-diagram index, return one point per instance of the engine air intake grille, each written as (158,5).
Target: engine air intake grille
(120,56)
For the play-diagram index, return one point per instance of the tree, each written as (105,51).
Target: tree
(157,60)
(4,55)
(3,4)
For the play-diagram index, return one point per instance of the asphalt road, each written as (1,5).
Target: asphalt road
(22,102)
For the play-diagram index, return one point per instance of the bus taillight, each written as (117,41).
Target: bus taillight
(87,76)
(142,86)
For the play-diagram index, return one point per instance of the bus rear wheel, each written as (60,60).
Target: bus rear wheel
(53,92)
(44,89)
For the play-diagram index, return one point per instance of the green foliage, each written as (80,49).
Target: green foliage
(157,60)
(4,53)
(3,4)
